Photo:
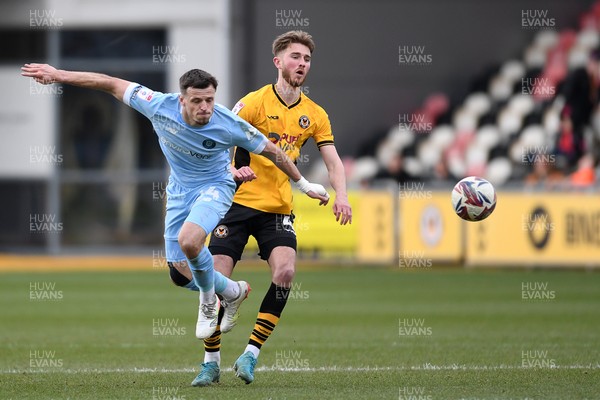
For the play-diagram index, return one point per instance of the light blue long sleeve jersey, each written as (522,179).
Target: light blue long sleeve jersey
(197,155)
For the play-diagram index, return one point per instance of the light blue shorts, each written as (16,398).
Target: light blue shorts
(204,206)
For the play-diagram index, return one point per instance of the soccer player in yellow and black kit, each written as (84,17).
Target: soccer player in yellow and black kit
(262,206)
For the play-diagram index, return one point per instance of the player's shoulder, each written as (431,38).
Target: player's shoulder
(251,101)
(261,92)
(256,96)
(168,99)
(141,93)
(313,106)
(221,109)
(224,114)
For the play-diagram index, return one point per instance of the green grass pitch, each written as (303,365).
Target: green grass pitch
(347,333)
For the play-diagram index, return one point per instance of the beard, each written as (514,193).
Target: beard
(297,82)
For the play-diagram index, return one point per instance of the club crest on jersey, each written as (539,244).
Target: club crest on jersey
(304,122)
(221,231)
(209,143)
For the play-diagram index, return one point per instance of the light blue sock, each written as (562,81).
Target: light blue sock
(192,286)
(202,268)
(220,282)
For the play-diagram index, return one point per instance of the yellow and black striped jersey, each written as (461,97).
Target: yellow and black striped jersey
(289,127)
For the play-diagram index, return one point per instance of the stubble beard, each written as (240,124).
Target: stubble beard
(295,83)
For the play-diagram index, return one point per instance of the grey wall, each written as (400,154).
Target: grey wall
(355,72)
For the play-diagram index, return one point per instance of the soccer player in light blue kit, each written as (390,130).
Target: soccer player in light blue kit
(195,135)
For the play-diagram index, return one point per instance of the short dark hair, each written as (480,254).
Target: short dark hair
(197,79)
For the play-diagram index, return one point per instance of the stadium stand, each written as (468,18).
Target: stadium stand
(526,120)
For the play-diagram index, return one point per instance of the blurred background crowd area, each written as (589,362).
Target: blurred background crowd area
(532,120)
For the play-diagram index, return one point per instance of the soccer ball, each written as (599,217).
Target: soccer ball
(473,198)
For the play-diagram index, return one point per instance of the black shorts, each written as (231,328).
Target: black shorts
(270,230)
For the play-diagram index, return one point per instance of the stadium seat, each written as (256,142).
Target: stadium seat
(500,88)
(535,57)
(587,39)
(521,104)
(476,157)
(457,166)
(364,169)
(441,136)
(509,123)
(578,58)
(429,155)
(478,104)
(413,166)
(399,138)
(545,39)
(465,120)
(498,171)
(534,137)
(488,137)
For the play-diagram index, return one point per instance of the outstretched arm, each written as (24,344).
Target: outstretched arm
(284,163)
(337,178)
(47,74)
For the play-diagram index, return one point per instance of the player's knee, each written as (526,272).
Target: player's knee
(284,275)
(190,247)
(177,277)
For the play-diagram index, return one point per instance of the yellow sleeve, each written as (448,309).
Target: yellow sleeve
(323,135)
(246,108)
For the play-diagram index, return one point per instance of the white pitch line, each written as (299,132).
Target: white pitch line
(424,367)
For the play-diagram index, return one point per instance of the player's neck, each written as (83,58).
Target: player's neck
(288,93)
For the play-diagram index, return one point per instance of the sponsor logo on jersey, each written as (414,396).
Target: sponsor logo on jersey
(284,138)
(238,106)
(304,122)
(135,92)
(180,149)
(273,116)
(274,137)
(145,94)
